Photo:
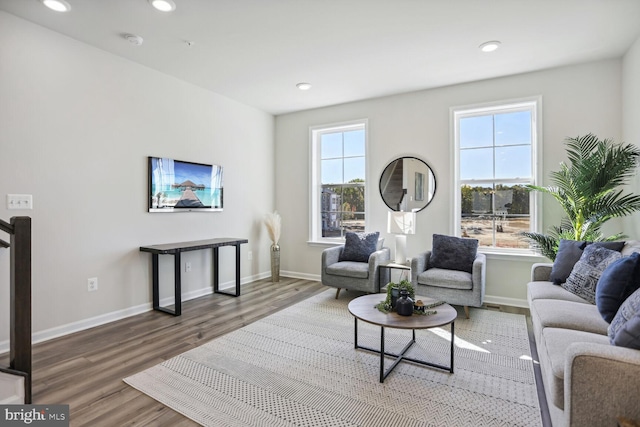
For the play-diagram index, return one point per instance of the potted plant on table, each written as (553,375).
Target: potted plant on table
(393,292)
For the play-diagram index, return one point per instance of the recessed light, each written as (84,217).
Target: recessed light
(490,46)
(163,5)
(57,5)
(304,86)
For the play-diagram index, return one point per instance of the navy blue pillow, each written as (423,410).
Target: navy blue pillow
(617,282)
(359,246)
(569,253)
(453,253)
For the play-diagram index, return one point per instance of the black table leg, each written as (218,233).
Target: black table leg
(156,281)
(382,354)
(177,284)
(216,277)
(452,338)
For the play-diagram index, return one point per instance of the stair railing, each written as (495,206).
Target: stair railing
(19,229)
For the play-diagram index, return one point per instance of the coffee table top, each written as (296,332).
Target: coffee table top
(364,309)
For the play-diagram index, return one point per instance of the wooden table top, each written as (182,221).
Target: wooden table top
(364,309)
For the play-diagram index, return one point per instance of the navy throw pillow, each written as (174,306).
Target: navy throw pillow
(569,253)
(453,253)
(359,246)
(617,282)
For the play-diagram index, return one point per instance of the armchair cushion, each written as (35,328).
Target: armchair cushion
(357,270)
(358,246)
(453,253)
(451,279)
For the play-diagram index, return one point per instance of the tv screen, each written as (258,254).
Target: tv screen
(176,185)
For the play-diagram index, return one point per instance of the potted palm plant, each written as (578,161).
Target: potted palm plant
(588,190)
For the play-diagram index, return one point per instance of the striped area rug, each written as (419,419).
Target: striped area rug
(298,367)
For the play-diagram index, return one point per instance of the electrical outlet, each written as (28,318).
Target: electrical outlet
(187,267)
(92,284)
(249,255)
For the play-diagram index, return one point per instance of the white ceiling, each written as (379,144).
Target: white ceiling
(255,51)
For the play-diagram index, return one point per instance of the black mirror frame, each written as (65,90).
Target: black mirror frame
(430,170)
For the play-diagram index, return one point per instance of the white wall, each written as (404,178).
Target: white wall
(631,117)
(576,100)
(76,127)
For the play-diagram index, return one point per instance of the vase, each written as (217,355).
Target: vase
(275,263)
(404,305)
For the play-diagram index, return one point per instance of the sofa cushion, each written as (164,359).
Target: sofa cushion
(556,342)
(453,253)
(624,330)
(359,246)
(357,270)
(452,279)
(616,284)
(569,253)
(585,274)
(547,290)
(549,313)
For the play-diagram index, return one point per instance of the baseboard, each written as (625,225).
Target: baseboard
(513,302)
(81,325)
(297,275)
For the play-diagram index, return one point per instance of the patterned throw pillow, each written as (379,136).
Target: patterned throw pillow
(359,246)
(624,329)
(569,253)
(453,253)
(585,274)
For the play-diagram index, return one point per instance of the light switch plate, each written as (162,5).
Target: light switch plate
(19,201)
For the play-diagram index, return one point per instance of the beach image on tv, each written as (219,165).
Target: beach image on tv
(184,185)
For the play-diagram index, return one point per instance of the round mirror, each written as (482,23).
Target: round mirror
(407,184)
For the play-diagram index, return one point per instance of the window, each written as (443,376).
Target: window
(496,149)
(338,187)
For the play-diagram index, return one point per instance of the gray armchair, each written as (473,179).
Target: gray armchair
(359,276)
(452,286)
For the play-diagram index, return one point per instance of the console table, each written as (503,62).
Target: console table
(176,249)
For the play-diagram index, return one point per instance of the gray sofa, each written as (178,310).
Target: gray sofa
(587,381)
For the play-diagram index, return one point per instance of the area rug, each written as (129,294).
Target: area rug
(298,367)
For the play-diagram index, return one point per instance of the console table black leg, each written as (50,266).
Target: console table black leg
(216,276)
(155,281)
(177,284)
(237,270)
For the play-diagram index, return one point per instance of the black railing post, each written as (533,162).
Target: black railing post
(20,295)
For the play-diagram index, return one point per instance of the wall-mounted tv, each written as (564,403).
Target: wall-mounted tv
(179,186)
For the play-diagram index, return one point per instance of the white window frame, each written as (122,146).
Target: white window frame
(532,104)
(315,186)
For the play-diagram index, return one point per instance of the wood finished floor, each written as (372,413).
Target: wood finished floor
(85,369)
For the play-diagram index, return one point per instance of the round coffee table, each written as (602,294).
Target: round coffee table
(363,308)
